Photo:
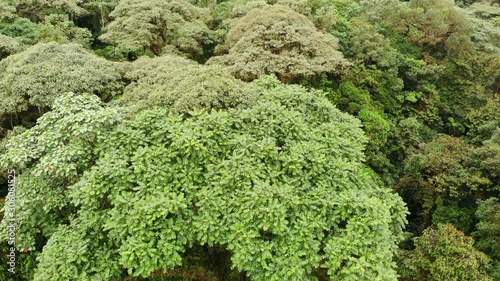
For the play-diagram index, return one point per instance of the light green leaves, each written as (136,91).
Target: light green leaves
(280,182)
(9,45)
(53,155)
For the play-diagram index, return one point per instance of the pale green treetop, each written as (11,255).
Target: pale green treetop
(9,46)
(182,86)
(321,12)
(35,77)
(152,25)
(277,40)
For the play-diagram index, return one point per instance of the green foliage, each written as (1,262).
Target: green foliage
(484,9)
(110,53)
(55,27)
(281,184)
(9,46)
(434,25)
(459,213)
(50,157)
(488,228)
(374,122)
(487,232)
(92,14)
(463,46)
(411,133)
(421,78)
(437,170)
(373,88)
(484,131)
(25,262)
(443,165)
(35,77)
(277,40)
(350,98)
(321,12)
(59,28)
(475,75)
(25,265)
(209,172)
(85,247)
(36,10)
(23,29)
(146,66)
(369,47)
(483,19)
(403,45)
(484,121)
(183,87)
(377,129)
(486,161)
(376,64)
(444,253)
(157,25)
(99,11)
(7,10)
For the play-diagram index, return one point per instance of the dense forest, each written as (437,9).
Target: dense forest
(263,140)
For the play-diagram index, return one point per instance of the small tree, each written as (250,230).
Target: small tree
(277,40)
(431,24)
(58,28)
(147,66)
(37,10)
(442,166)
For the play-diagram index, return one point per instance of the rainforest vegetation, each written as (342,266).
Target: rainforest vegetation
(262,140)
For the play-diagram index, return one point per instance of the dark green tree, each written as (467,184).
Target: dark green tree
(487,232)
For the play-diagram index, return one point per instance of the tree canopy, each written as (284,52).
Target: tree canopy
(445,253)
(487,232)
(277,40)
(321,12)
(9,46)
(211,140)
(52,70)
(273,181)
(154,25)
(184,87)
